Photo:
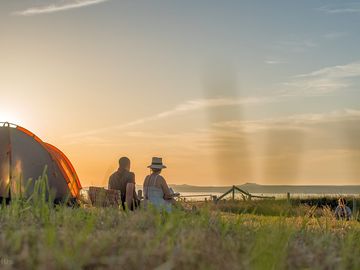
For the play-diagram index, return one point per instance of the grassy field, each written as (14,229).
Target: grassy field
(314,207)
(35,235)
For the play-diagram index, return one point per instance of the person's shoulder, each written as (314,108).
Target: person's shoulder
(146,179)
(112,180)
(161,178)
(130,176)
(113,175)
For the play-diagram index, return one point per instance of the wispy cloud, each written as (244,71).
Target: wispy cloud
(297,121)
(334,35)
(57,6)
(193,105)
(230,129)
(274,61)
(295,45)
(342,8)
(323,81)
(183,108)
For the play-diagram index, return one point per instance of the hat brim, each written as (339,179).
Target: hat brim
(152,166)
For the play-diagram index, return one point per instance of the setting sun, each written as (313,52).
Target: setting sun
(10,117)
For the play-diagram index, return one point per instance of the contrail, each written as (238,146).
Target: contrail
(57,7)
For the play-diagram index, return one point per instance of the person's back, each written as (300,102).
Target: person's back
(119,180)
(156,190)
(124,181)
(342,211)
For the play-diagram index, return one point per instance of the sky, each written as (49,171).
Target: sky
(226,92)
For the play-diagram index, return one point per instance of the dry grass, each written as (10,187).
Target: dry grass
(98,238)
(36,235)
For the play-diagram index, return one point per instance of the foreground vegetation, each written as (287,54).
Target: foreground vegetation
(44,237)
(281,207)
(34,234)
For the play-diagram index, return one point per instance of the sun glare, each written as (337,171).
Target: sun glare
(11,117)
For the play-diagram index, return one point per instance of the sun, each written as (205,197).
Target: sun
(11,117)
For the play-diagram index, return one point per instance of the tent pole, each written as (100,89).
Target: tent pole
(10,162)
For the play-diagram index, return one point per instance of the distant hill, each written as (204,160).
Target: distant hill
(274,189)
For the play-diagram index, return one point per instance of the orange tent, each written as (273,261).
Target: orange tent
(24,156)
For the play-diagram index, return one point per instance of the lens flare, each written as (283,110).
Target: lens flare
(229,143)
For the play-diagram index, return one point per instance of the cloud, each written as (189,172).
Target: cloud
(316,83)
(284,148)
(323,81)
(334,35)
(343,8)
(272,61)
(193,105)
(300,147)
(297,121)
(183,108)
(295,45)
(338,129)
(56,7)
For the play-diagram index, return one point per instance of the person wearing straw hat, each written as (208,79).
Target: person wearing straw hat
(156,190)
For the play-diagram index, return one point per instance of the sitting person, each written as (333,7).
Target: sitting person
(156,190)
(124,181)
(342,211)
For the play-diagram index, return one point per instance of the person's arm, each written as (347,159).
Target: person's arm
(130,189)
(145,188)
(348,212)
(110,183)
(166,190)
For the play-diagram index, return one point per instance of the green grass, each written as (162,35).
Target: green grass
(36,235)
(280,207)
(67,238)
(263,207)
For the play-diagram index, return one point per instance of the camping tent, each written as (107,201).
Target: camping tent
(24,156)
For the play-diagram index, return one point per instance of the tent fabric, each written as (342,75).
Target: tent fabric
(66,168)
(24,156)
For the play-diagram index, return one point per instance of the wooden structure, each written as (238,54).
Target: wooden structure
(246,195)
(104,197)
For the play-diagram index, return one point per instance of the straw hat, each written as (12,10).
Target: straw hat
(157,163)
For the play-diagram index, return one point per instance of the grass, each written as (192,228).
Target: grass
(263,207)
(281,207)
(36,235)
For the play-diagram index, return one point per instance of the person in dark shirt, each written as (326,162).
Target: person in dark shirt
(124,181)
